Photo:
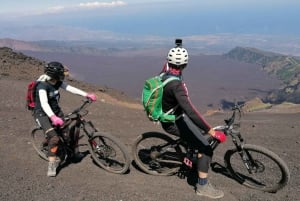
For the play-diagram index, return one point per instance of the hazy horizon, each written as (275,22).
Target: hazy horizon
(156,18)
(214,26)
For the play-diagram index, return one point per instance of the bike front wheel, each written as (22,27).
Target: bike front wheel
(268,172)
(157,154)
(39,142)
(109,153)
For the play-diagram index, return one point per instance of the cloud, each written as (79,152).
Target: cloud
(84,6)
(67,8)
(55,9)
(97,4)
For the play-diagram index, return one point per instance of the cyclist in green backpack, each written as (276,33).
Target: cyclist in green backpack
(189,123)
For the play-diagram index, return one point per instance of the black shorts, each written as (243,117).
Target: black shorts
(195,137)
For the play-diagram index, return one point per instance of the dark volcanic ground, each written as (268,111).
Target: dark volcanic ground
(23,173)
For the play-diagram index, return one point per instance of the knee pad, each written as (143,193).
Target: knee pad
(53,141)
(203,163)
(52,151)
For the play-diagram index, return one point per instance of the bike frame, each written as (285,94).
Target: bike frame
(106,150)
(229,129)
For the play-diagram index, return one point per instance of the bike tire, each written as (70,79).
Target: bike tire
(272,172)
(109,153)
(142,154)
(37,139)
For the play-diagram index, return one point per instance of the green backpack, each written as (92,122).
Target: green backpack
(152,99)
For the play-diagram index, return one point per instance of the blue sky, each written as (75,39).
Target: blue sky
(108,19)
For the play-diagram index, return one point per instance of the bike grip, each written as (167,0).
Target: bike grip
(56,121)
(92,97)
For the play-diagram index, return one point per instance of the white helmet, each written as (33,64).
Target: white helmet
(178,56)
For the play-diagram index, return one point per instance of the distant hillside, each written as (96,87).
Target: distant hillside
(20,45)
(18,65)
(22,67)
(96,48)
(285,68)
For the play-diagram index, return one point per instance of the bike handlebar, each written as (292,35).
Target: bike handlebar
(68,119)
(235,108)
(77,111)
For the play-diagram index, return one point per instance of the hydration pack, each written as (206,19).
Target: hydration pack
(152,98)
(30,96)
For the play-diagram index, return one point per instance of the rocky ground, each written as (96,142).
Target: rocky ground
(23,173)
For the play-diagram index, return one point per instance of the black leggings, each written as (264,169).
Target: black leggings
(195,137)
(45,123)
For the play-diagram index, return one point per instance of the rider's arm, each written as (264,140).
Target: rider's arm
(189,109)
(73,90)
(44,102)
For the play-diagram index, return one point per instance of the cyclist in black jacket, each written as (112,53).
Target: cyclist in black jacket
(189,124)
(47,112)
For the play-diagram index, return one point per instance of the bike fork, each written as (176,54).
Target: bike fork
(247,160)
(246,157)
(95,144)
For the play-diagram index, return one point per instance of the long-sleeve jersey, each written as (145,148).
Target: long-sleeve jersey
(176,94)
(47,96)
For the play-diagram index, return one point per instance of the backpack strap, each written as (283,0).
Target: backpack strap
(165,82)
(169,79)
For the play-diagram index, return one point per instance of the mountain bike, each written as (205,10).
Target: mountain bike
(251,165)
(106,150)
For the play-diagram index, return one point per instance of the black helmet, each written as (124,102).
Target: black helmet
(55,70)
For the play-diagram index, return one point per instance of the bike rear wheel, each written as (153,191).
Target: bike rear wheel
(109,153)
(270,173)
(155,154)
(39,142)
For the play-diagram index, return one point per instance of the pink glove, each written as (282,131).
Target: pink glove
(219,135)
(93,97)
(56,121)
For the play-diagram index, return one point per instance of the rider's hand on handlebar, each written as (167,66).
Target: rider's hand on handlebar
(219,135)
(92,97)
(56,121)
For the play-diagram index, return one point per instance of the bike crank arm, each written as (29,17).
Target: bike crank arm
(168,161)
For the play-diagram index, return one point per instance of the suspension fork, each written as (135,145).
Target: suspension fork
(89,129)
(238,141)
(246,157)
(94,143)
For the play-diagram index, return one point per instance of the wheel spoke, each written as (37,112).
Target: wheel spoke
(109,153)
(266,171)
(154,154)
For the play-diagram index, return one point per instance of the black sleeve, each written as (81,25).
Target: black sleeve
(181,94)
